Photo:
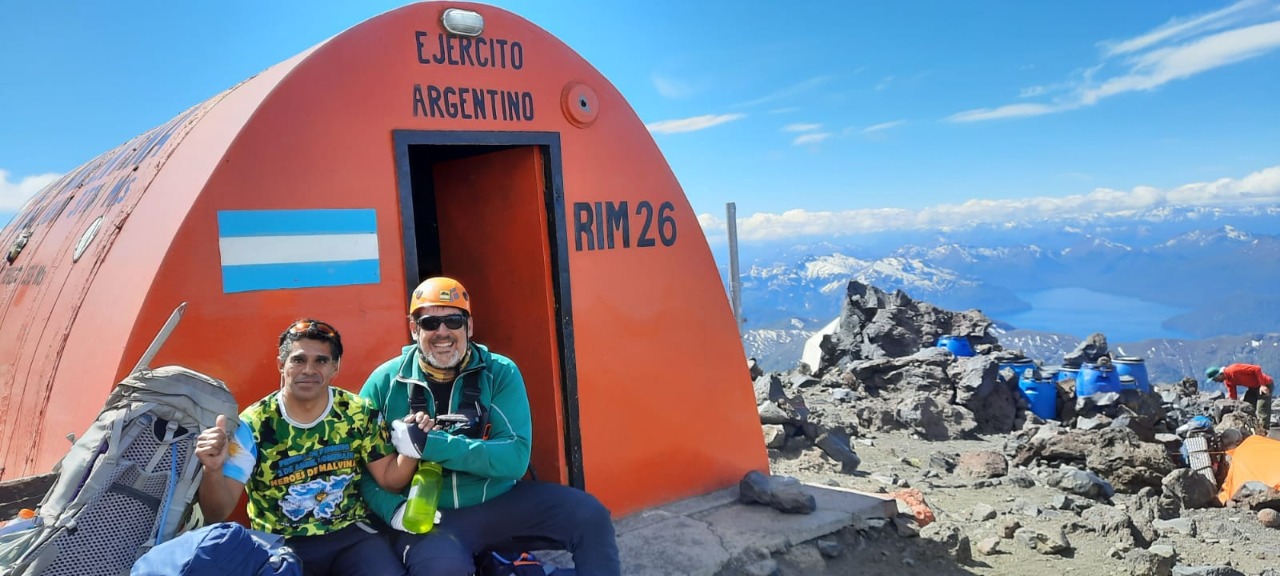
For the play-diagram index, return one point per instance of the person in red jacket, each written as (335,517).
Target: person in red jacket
(1258,386)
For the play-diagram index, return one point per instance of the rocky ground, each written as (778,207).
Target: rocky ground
(1097,537)
(1101,487)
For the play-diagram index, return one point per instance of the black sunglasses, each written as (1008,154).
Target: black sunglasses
(432,323)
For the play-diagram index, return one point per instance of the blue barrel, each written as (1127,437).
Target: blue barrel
(1134,366)
(1042,396)
(1020,368)
(1094,379)
(1071,373)
(958,345)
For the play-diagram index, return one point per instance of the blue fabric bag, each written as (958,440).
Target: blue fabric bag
(223,549)
(494,564)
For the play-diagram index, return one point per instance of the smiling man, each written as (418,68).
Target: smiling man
(301,453)
(484,450)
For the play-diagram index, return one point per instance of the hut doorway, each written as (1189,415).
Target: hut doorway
(484,208)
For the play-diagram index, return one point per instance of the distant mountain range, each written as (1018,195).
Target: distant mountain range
(1217,264)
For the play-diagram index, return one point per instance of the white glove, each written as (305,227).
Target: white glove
(409,439)
(397,521)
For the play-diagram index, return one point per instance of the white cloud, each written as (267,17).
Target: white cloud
(810,138)
(1177,28)
(1159,67)
(788,92)
(670,87)
(883,126)
(711,224)
(1175,51)
(883,84)
(799,127)
(14,194)
(1032,91)
(1261,187)
(691,124)
(1006,111)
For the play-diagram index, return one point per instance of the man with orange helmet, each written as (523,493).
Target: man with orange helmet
(484,503)
(1258,388)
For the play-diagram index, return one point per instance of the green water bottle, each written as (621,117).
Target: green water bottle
(424,494)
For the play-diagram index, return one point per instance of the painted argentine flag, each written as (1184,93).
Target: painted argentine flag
(277,249)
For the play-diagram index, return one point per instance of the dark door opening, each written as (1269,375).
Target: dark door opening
(484,208)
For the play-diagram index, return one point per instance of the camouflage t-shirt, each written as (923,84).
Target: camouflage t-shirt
(303,481)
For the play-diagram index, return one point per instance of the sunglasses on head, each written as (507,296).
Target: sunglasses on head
(301,326)
(432,323)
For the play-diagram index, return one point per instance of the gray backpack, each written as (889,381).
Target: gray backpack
(128,483)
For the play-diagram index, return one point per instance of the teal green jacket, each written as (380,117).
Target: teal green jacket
(475,471)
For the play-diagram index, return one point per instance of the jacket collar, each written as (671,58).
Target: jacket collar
(411,372)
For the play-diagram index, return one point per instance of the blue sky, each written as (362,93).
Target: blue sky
(813,117)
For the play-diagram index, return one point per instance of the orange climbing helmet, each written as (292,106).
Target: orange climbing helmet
(440,291)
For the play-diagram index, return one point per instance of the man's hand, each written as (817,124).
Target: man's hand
(211,445)
(423,420)
(397,521)
(217,494)
(410,434)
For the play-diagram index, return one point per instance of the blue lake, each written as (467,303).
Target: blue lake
(1081,312)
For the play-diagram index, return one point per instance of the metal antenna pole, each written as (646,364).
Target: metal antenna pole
(735,280)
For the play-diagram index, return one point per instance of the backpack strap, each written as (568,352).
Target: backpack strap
(471,401)
(471,389)
(417,398)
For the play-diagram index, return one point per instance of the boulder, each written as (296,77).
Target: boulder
(952,538)
(1183,526)
(1189,489)
(922,414)
(1009,526)
(984,464)
(1090,350)
(1081,482)
(1256,495)
(1139,562)
(1206,571)
(778,413)
(993,402)
(836,444)
(768,387)
(829,547)
(775,436)
(874,324)
(1129,464)
(942,462)
(1109,522)
(1050,541)
(989,546)
(982,512)
(783,493)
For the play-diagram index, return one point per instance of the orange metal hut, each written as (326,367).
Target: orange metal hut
(329,184)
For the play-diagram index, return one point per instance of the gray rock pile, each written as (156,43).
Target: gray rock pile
(875,325)
(1115,458)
